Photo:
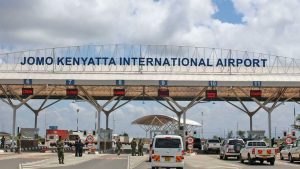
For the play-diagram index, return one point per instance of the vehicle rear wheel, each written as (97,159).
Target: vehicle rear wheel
(281,157)
(250,161)
(261,161)
(291,158)
(179,168)
(241,159)
(153,167)
(225,157)
(272,161)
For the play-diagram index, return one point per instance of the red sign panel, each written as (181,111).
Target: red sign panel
(211,94)
(255,93)
(163,92)
(119,92)
(72,92)
(27,91)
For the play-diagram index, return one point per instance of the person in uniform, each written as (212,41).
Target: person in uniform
(140,147)
(133,147)
(80,148)
(18,143)
(76,146)
(2,142)
(119,146)
(60,150)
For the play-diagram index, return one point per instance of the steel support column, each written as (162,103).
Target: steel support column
(270,109)
(179,110)
(90,99)
(15,107)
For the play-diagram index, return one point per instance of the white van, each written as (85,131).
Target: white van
(167,152)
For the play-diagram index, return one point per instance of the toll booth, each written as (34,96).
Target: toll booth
(106,139)
(29,137)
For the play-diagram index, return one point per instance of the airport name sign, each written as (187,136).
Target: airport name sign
(142,61)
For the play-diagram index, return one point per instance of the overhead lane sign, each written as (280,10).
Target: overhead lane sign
(142,61)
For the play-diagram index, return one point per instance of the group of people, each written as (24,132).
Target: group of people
(2,142)
(133,144)
(60,149)
(140,146)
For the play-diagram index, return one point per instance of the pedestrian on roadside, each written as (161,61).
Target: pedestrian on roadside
(140,147)
(133,147)
(2,142)
(18,143)
(76,146)
(60,150)
(119,147)
(80,148)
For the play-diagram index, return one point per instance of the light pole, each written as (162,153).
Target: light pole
(77,118)
(45,127)
(202,125)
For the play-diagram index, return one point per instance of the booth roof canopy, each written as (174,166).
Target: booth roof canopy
(160,120)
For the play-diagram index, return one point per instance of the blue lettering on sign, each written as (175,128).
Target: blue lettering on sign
(120,82)
(257,83)
(70,82)
(141,61)
(212,83)
(27,81)
(163,83)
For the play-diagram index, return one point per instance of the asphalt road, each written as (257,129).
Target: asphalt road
(105,162)
(114,162)
(12,161)
(213,162)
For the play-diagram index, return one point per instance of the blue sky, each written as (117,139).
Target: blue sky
(226,12)
(269,26)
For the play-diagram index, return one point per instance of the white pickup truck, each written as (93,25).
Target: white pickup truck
(257,151)
(294,153)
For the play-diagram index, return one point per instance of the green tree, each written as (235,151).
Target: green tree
(215,137)
(297,126)
(230,134)
(241,133)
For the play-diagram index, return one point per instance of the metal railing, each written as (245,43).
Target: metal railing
(11,62)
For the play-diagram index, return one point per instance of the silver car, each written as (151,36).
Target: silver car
(231,148)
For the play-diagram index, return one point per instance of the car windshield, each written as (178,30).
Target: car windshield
(234,142)
(257,144)
(213,141)
(167,143)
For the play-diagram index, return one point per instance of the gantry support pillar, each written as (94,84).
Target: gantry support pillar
(180,110)
(41,107)
(275,100)
(90,99)
(10,94)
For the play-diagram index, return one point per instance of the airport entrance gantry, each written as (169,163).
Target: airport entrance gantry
(120,73)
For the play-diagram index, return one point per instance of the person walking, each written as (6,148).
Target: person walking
(119,146)
(60,150)
(18,143)
(2,142)
(80,148)
(76,146)
(133,147)
(140,147)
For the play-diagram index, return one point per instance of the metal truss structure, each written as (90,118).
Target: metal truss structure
(163,123)
(278,78)
(10,62)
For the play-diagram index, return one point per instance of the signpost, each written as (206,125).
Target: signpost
(90,139)
(190,141)
(288,140)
